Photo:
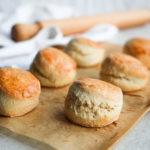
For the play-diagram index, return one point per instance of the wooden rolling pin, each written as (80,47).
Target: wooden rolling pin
(122,20)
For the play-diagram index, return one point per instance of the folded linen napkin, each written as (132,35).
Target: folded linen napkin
(21,54)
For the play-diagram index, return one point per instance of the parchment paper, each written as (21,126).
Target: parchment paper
(48,124)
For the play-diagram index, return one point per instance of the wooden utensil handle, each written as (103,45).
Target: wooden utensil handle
(69,26)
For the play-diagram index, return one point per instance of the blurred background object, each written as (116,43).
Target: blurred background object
(29,11)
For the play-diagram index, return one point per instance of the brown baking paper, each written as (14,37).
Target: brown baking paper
(48,125)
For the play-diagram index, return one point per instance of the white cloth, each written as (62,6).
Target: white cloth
(21,54)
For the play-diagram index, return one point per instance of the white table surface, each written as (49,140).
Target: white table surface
(138,138)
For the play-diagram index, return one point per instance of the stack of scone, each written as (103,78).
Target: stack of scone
(89,102)
(95,103)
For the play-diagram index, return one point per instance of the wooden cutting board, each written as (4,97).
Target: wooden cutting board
(48,124)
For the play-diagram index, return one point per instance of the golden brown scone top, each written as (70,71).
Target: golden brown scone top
(128,64)
(138,46)
(59,59)
(18,83)
(102,87)
(88,42)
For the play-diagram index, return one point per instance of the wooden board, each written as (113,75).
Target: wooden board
(47,123)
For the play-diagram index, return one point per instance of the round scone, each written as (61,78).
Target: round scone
(124,71)
(85,52)
(93,103)
(53,68)
(19,92)
(139,48)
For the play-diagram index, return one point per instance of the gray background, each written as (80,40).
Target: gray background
(84,7)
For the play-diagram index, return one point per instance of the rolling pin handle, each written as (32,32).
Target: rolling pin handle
(22,32)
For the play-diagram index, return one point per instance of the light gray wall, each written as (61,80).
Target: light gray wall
(84,7)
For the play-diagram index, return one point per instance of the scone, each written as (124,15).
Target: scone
(93,103)
(139,48)
(53,68)
(85,52)
(124,71)
(19,92)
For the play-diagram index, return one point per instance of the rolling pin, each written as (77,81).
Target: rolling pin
(70,26)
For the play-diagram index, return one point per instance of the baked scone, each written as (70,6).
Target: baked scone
(93,103)
(124,71)
(139,48)
(85,52)
(19,92)
(53,68)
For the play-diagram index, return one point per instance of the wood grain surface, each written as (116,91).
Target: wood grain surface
(48,124)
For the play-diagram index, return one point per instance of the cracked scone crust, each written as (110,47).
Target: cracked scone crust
(124,71)
(53,68)
(93,103)
(139,48)
(19,92)
(85,52)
